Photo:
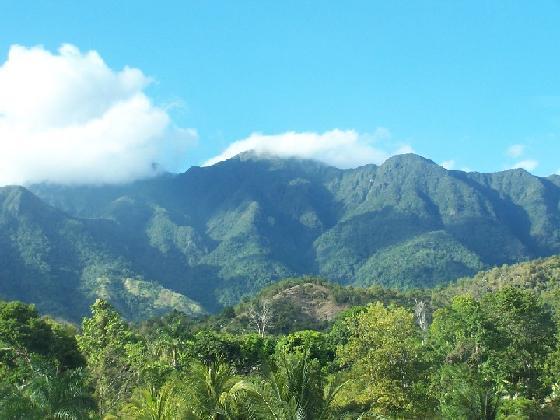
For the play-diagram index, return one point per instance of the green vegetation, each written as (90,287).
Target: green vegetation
(63,264)
(486,347)
(426,258)
(203,240)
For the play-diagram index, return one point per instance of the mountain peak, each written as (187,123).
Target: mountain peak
(410,162)
(410,158)
(14,198)
(18,202)
(254,155)
(251,155)
(405,159)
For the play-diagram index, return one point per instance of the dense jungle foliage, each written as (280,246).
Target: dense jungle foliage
(485,348)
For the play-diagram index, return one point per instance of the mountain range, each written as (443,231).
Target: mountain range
(201,240)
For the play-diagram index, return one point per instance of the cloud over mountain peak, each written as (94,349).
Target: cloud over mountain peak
(340,148)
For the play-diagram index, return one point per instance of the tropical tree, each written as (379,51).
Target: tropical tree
(312,344)
(206,391)
(62,395)
(525,337)
(48,394)
(152,403)
(464,394)
(23,332)
(295,389)
(108,344)
(461,338)
(492,352)
(385,360)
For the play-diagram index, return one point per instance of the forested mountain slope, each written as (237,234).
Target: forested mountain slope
(63,263)
(541,276)
(217,233)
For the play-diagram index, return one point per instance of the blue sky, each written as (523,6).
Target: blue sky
(459,81)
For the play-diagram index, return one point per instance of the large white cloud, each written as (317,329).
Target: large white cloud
(340,148)
(67,117)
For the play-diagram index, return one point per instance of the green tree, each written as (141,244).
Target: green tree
(525,337)
(47,394)
(461,338)
(316,344)
(464,394)
(108,342)
(295,389)
(491,352)
(384,355)
(206,390)
(24,332)
(151,403)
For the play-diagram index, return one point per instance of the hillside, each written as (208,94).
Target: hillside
(215,234)
(63,264)
(541,276)
(308,303)
(313,303)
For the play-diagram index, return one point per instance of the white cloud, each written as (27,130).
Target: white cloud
(340,148)
(516,150)
(528,165)
(67,117)
(448,164)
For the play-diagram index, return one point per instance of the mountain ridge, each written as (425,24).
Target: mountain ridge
(214,234)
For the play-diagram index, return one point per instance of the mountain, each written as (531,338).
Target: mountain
(62,263)
(214,234)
